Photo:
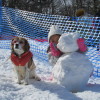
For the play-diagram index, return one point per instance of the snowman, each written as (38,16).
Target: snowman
(73,68)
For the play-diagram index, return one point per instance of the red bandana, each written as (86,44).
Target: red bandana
(22,60)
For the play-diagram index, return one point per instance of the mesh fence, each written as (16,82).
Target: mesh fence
(35,27)
(0,14)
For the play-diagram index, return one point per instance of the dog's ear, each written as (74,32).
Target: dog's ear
(12,43)
(26,46)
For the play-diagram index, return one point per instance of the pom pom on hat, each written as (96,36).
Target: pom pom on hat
(54,29)
(80,12)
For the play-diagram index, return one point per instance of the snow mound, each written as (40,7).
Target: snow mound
(72,69)
(68,42)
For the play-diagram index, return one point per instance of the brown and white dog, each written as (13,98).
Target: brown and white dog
(22,60)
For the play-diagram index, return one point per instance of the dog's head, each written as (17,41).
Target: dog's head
(19,45)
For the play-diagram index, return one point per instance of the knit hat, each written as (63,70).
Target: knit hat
(54,29)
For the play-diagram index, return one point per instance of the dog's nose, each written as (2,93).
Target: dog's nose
(17,46)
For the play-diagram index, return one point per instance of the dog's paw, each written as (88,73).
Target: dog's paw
(18,82)
(37,78)
(25,83)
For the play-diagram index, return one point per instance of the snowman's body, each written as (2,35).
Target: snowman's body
(72,69)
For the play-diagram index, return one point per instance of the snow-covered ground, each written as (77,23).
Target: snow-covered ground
(38,90)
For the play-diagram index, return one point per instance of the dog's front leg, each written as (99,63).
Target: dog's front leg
(26,79)
(18,75)
(18,79)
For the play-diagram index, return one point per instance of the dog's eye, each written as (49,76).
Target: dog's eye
(21,42)
(13,42)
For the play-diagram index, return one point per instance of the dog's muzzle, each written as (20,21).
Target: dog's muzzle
(16,46)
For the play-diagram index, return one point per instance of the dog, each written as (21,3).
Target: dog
(21,57)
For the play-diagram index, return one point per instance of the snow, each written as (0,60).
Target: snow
(68,42)
(72,69)
(37,90)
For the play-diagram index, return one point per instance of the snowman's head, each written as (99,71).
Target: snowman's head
(68,42)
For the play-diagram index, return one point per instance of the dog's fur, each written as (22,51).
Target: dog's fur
(20,46)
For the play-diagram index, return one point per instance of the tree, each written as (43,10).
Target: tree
(60,7)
